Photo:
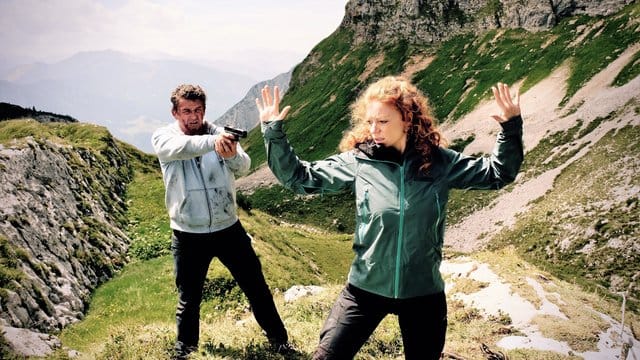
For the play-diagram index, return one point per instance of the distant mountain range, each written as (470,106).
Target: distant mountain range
(129,95)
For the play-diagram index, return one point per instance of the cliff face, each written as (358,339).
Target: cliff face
(426,22)
(244,114)
(60,219)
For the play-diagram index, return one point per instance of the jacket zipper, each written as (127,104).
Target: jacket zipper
(396,289)
(204,186)
(435,229)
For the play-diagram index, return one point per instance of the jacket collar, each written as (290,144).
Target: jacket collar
(379,152)
(373,151)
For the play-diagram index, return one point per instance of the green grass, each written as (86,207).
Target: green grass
(577,215)
(142,327)
(629,72)
(148,219)
(142,293)
(603,43)
(295,254)
(10,273)
(335,212)
(81,135)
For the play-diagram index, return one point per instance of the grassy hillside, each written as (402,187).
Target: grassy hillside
(560,241)
(132,316)
(585,231)
(459,77)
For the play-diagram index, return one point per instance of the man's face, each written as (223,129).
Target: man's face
(190,115)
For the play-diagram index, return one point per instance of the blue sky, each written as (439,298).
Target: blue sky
(270,35)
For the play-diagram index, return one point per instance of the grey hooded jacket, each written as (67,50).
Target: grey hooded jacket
(199,183)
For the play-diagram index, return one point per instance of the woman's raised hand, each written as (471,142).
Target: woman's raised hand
(508,107)
(269,107)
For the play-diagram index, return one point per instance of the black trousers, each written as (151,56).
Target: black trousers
(192,254)
(356,314)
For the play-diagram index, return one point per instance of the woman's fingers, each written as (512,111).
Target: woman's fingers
(269,106)
(276,100)
(496,95)
(284,112)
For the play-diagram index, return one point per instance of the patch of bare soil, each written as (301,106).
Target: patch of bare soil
(262,177)
(542,116)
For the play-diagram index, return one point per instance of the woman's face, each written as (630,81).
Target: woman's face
(386,125)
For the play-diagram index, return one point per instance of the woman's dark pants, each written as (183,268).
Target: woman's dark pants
(356,314)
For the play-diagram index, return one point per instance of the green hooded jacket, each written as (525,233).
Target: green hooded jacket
(401,212)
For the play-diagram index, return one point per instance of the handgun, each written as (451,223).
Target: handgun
(237,133)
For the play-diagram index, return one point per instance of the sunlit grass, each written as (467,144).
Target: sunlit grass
(143,293)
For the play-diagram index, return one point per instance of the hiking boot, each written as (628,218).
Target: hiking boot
(284,348)
(182,352)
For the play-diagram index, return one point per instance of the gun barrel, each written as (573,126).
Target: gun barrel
(239,133)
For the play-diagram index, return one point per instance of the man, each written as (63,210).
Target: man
(199,162)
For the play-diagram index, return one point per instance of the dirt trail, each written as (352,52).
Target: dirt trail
(542,116)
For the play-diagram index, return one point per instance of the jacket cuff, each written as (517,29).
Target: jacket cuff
(512,126)
(272,129)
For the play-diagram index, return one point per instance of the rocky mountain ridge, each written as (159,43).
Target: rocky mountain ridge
(11,111)
(244,114)
(428,22)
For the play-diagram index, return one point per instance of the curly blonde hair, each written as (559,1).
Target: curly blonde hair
(412,104)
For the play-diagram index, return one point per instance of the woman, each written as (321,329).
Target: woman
(394,160)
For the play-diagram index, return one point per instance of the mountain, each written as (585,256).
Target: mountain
(431,22)
(244,114)
(128,95)
(577,76)
(546,268)
(10,111)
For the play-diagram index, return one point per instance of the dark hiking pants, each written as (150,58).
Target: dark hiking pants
(192,254)
(356,314)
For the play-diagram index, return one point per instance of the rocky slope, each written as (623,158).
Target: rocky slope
(427,22)
(60,230)
(585,230)
(244,114)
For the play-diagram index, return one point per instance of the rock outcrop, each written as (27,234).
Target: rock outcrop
(61,217)
(428,22)
(244,114)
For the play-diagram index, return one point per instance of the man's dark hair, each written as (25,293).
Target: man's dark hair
(188,92)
